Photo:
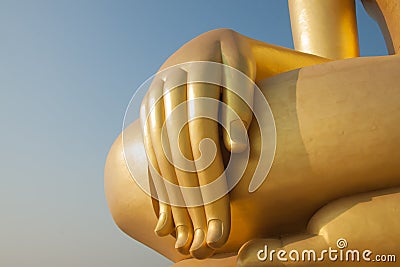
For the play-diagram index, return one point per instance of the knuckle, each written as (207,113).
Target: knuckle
(221,31)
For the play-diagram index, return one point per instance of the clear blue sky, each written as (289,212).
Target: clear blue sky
(67,72)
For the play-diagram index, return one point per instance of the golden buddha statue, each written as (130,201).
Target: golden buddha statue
(335,176)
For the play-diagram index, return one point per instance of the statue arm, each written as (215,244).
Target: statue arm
(325,28)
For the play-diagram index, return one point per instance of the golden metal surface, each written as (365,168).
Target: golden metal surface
(387,15)
(325,28)
(337,153)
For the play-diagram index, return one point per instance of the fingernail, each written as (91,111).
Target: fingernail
(199,248)
(215,232)
(182,238)
(162,222)
(238,134)
(199,239)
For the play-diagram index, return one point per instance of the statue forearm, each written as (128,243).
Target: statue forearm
(325,28)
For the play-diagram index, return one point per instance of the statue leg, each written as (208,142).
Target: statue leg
(337,135)
(131,208)
(318,159)
(350,226)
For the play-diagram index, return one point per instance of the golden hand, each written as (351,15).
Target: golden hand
(199,228)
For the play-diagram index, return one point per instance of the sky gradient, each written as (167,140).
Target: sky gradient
(67,72)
